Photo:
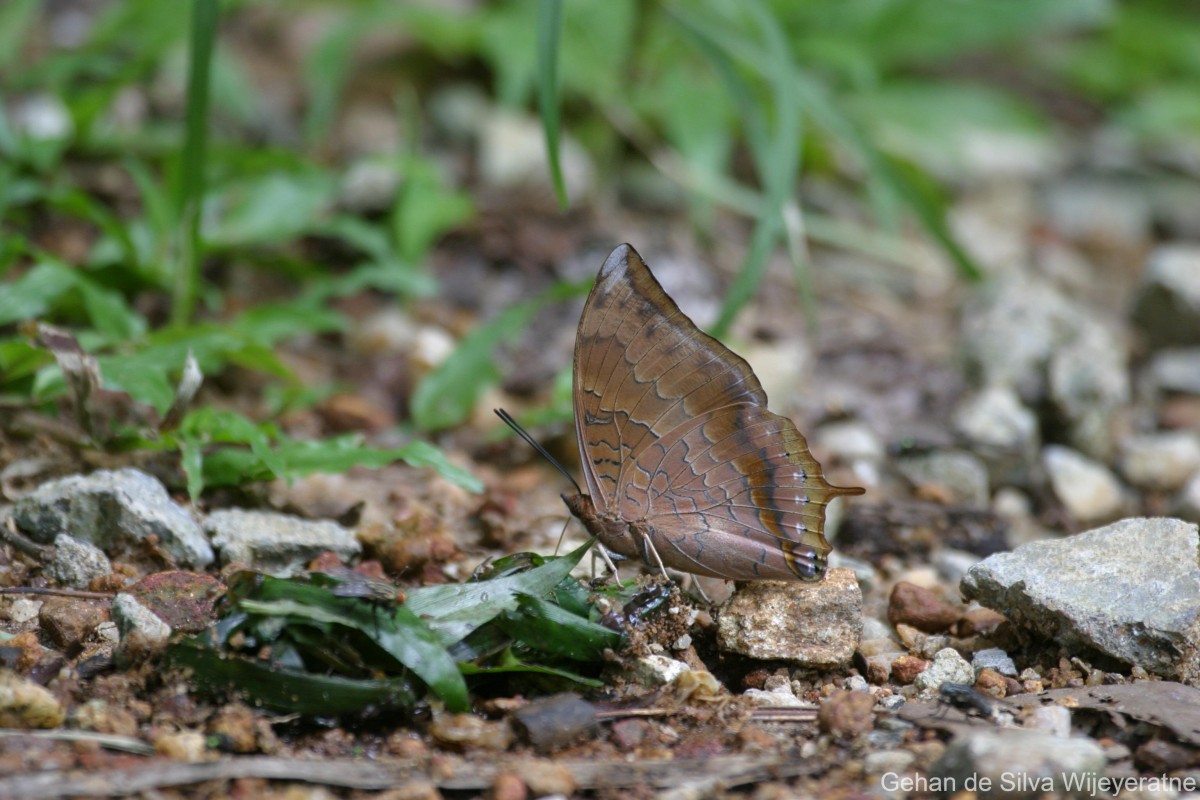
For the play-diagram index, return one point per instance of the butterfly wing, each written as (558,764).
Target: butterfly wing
(675,437)
(642,368)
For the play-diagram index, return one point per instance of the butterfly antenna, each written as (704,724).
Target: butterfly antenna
(524,434)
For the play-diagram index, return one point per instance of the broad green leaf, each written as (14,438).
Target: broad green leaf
(548,628)
(454,610)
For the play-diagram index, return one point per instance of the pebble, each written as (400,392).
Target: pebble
(1167,306)
(122,508)
(75,563)
(846,713)
(1176,370)
(812,624)
(1087,489)
(1089,389)
(979,620)
(1161,461)
(552,723)
(135,620)
(906,668)
(1002,430)
(1104,589)
(512,152)
(947,667)
(24,704)
(921,608)
(994,658)
(1188,503)
(655,670)
(69,621)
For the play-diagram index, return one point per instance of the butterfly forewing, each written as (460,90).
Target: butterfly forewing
(679,451)
(642,367)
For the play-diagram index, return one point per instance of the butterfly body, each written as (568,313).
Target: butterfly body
(683,462)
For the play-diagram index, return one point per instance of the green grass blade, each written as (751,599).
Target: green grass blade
(549,28)
(190,194)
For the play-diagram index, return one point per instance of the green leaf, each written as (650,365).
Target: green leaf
(545,627)
(270,209)
(31,295)
(287,690)
(454,610)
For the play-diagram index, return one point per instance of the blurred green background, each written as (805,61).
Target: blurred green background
(149,151)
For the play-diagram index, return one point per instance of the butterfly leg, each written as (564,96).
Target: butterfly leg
(648,550)
(608,562)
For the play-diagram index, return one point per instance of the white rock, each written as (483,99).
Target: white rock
(1163,461)
(1087,489)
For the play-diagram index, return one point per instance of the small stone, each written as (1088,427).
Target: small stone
(1003,431)
(921,608)
(813,624)
(1160,757)
(24,704)
(1089,389)
(546,778)
(187,746)
(1189,500)
(629,734)
(1108,212)
(994,658)
(991,683)
(906,668)
(952,564)
(1177,370)
(778,696)
(1167,307)
(655,670)
(1161,461)
(277,543)
(68,622)
(947,667)
(847,713)
(75,563)
(134,620)
(469,732)
(508,786)
(552,723)
(1086,488)
(512,152)
(976,621)
(104,717)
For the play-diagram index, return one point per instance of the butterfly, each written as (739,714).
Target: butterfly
(685,467)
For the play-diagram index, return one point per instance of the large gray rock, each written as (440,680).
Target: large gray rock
(1130,590)
(114,510)
(276,543)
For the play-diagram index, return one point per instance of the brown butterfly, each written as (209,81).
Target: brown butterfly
(685,466)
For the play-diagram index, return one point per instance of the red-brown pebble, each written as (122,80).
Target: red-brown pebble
(991,683)
(507,786)
(906,668)
(921,608)
(847,713)
(979,621)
